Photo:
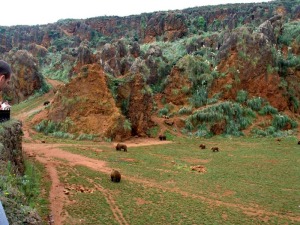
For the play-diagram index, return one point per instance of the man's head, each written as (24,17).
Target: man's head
(5,73)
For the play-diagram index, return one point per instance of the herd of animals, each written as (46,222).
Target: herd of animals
(116,175)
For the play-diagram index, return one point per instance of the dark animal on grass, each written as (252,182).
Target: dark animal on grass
(298,142)
(46,103)
(115,176)
(119,147)
(215,149)
(202,146)
(162,137)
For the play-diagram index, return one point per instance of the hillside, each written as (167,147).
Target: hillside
(228,69)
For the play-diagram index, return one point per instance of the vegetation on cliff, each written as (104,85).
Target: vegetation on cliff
(192,59)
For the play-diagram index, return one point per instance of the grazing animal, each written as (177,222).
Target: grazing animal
(215,149)
(202,146)
(162,137)
(298,142)
(46,103)
(119,147)
(278,139)
(115,176)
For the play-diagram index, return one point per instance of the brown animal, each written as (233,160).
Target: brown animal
(115,176)
(278,139)
(202,146)
(298,142)
(215,149)
(162,137)
(119,147)
(46,103)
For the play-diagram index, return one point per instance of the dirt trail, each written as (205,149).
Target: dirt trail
(52,156)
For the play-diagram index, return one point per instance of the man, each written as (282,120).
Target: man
(5,74)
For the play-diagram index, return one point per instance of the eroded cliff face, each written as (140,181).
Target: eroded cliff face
(140,106)
(147,27)
(246,58)
(177,88)
(117,64)
(87,106)
(26,78)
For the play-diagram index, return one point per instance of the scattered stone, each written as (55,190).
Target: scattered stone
(199,168)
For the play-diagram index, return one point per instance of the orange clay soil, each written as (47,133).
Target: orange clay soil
(51,155)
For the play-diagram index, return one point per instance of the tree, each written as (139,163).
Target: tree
(202,23)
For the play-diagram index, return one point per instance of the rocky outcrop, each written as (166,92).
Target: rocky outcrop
(88,104)
(267,29)
(11,145)
(85,55)
(169,25)
(140,107)
(26,77)
(177,82)
(144,28)
(246,67)
(109,59)
(118,57)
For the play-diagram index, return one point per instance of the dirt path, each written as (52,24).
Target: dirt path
(52,156)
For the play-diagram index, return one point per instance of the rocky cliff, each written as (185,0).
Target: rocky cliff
(122,71)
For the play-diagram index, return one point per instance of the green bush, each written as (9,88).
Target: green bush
(290,32)
(282,121)
(267,110)
(214,98)
(236,116)
(127,125)
(163,111)
(185,110)
(241,96)
(255,103)
(54,129)
(86,137)
(199,97)
(202,131)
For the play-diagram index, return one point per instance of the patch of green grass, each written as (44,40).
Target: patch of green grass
(41,200)
(27,105)
(256,173)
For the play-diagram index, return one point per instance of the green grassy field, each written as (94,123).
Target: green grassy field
(250,181)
